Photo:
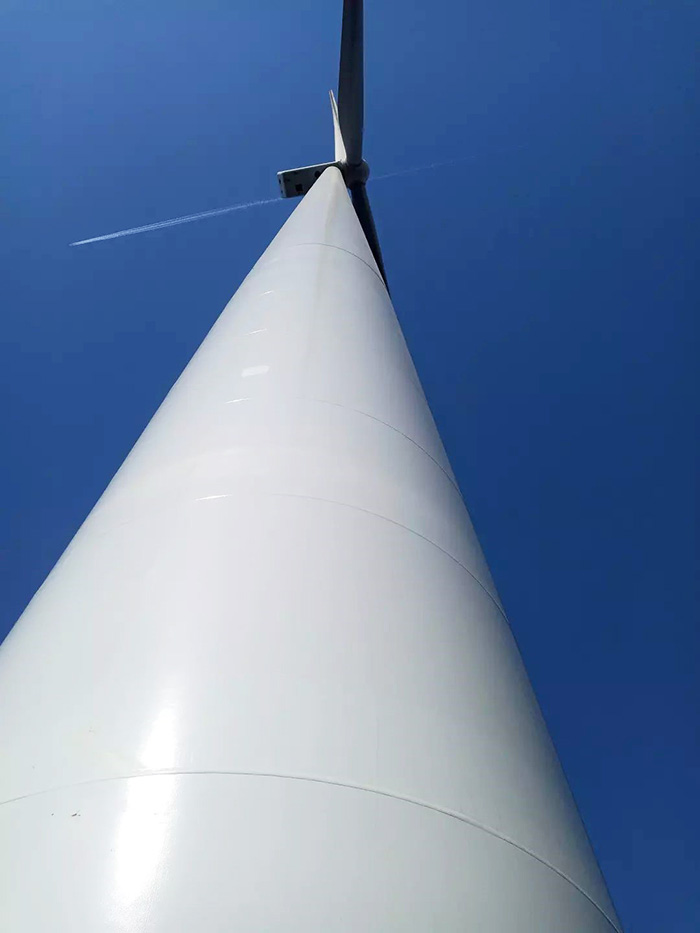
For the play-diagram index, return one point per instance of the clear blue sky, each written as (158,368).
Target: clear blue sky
(547,285)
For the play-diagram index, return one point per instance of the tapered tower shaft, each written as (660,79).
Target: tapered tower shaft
(270,684)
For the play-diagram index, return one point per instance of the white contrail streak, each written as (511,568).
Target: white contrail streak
(189,218)
(174,221)
(418,168)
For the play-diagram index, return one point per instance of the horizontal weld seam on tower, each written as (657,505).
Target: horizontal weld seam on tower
(392,521)
(356,411)
(101,532)
(386,424)
(261,265)
(330,782)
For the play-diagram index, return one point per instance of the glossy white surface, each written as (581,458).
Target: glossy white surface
(340,154)
(276,854)
(271,674)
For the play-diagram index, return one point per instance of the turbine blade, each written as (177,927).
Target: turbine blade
(360,202)
(351,80)
(340,153)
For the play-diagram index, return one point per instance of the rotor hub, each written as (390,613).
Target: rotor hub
(355,174)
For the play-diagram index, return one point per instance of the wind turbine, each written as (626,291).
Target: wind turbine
(270,684)
(348,126)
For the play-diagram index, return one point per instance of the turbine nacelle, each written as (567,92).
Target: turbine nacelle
(296,182)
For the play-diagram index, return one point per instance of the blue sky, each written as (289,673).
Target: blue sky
(547,285)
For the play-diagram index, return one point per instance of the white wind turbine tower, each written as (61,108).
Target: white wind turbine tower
(270,685)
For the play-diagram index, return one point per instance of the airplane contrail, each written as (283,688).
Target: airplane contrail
(202,215)
(174,221)
(417,168)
